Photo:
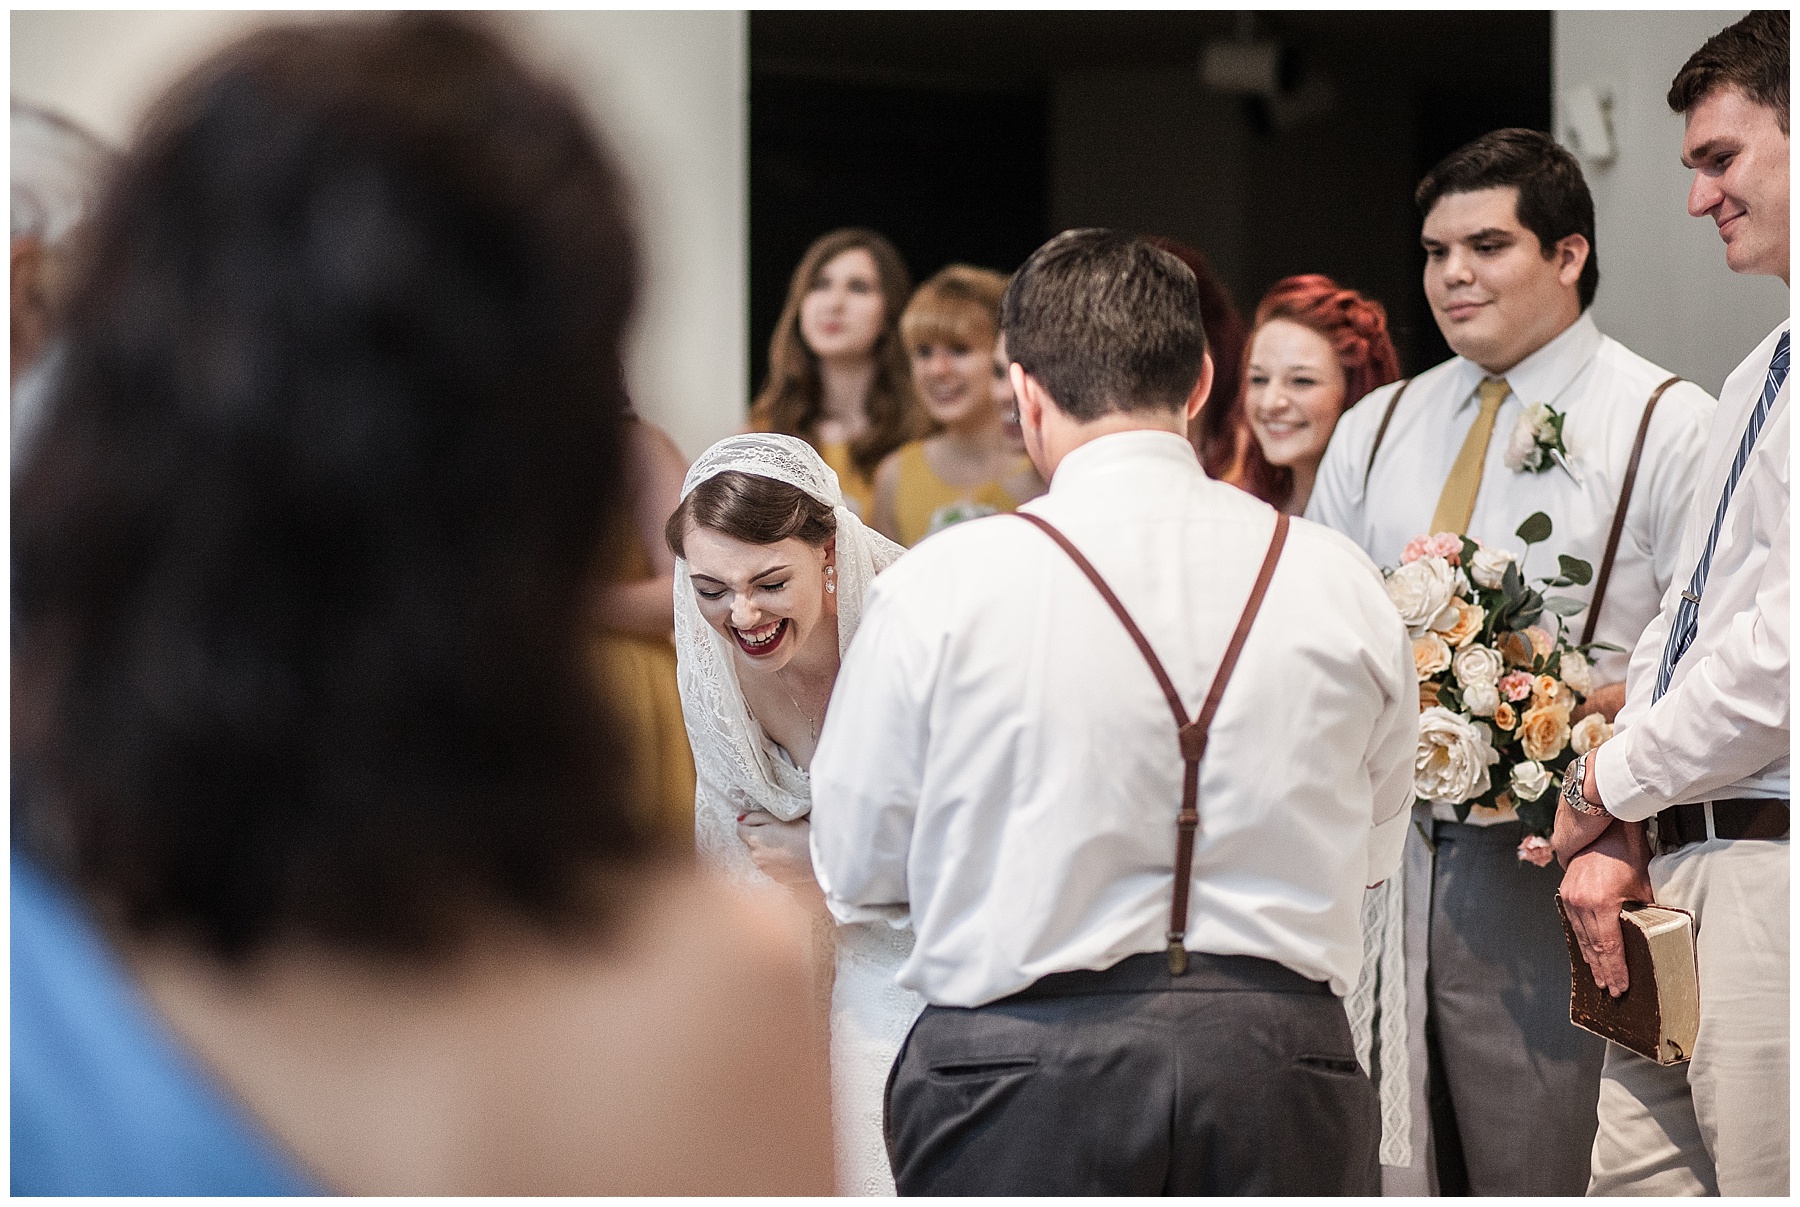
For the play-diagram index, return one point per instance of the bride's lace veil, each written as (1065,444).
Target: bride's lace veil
(734,766)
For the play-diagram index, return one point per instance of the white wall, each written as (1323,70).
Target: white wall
(1665,291)
(668,90)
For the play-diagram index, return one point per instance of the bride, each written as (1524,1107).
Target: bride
(770,577)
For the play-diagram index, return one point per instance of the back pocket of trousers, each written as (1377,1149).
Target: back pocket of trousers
(1346,1065)
(980,1068)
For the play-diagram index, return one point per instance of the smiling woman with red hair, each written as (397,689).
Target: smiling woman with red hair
(1315,349)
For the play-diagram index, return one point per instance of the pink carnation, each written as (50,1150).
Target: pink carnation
(1517,686)
(1446,545)
(1536,850)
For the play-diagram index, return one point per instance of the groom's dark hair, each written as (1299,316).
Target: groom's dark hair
(1106,322)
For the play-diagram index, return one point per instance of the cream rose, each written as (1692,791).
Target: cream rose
(1589,732)
(1575,671)
(1522,445)
(1488,567)
(1453,757)
(1422,591)
(1543,732)
(1430,656)
(1530,780)
(1481,699)
(1477,664)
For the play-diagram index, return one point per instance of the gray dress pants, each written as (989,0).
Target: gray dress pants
(1238,1077)
(1513,1084)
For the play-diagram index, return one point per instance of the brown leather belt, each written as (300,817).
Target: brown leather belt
(1741,818)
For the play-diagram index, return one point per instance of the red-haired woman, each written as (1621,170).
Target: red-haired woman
(1315,348)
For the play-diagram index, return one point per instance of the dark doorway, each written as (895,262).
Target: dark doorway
(949,174)
(974,136)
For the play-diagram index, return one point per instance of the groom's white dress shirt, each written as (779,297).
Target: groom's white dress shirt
(1601,386)
(999,765)
(1722,729)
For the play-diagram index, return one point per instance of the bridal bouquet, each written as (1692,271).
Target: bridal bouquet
(1497,686)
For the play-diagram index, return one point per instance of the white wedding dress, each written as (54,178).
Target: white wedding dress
(738,768)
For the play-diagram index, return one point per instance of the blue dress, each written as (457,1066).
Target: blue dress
(105,1100)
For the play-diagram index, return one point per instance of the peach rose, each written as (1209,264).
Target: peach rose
(1505,717)
(1542,641)
(1430,656)
(1543,690)
(1589,732)
(1467,623)
(1543,732)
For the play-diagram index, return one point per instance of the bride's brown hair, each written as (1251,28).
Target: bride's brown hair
(752,509)
(791,401)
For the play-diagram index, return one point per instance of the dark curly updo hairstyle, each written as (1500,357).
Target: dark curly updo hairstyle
(301,559)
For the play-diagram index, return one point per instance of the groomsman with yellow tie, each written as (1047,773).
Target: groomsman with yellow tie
(1538,411)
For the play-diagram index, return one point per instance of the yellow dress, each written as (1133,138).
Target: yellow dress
(925,503)
(639,675)
(859,491)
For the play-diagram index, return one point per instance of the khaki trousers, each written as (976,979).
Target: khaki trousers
(1718,1124)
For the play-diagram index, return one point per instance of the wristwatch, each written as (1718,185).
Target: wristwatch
(1572,794)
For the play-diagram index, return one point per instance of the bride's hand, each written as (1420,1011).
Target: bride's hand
(780,849)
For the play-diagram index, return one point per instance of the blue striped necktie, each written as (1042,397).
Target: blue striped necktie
(1687,612)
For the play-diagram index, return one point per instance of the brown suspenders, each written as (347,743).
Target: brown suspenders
(1387,417)
(1192,734)
(1618,524)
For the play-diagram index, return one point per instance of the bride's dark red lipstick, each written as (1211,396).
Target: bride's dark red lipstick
(762,649)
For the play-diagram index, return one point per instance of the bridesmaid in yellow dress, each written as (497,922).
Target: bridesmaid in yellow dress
(633,649)
(972,465)
(838,376)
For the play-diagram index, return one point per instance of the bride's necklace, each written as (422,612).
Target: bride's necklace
(812,726)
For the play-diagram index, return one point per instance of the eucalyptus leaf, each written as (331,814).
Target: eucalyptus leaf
(1608,646)
(1574,569)
(1565,605)
(1537,527)
(1512,583)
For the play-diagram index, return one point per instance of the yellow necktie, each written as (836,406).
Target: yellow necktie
(1457,503)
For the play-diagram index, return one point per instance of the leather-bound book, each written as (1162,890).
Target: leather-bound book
(1659,1015)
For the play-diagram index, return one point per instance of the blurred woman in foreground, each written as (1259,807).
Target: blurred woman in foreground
(330,884)
(1315,349)
(837,372)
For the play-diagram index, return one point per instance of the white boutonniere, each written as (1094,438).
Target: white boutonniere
(1537,441)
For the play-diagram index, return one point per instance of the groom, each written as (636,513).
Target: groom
(1003,766)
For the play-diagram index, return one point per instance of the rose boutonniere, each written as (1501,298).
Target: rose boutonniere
(1537,441)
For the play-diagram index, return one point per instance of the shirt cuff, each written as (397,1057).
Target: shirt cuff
(1387,843)
(847,913)
(1620,792)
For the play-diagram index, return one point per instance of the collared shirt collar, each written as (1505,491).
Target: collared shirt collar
(1546,373)
(1099,455)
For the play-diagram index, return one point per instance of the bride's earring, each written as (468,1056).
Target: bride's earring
(831,580)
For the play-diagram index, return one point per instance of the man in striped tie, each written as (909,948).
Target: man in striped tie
(1702,743)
